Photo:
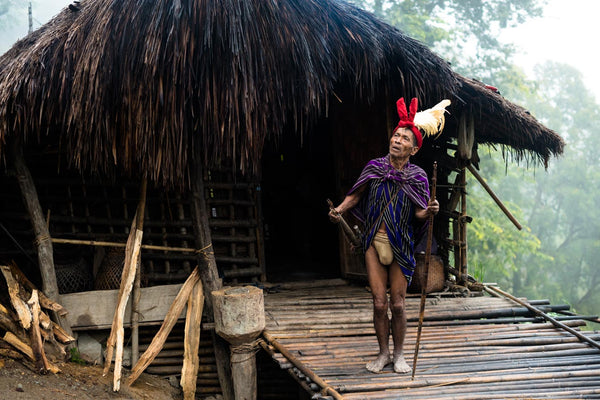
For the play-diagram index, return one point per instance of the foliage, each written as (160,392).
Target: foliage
(559,205)
(465,32)
(76,356)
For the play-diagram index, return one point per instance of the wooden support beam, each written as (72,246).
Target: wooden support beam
(132,257)
(489,190)
(38,222)
(210,277)
(191,359)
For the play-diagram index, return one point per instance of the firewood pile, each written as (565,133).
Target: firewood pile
(26,331)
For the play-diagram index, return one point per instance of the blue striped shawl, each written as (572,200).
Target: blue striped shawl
(406,188)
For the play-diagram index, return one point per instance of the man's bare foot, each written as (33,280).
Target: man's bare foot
(377,365)
(400,365)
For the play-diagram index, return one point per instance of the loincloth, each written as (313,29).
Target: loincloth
(382,245)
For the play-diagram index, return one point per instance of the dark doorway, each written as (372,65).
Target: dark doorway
(300,242)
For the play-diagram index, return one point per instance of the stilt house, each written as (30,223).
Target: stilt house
(243,116)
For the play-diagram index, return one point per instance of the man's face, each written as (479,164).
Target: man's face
(402,143)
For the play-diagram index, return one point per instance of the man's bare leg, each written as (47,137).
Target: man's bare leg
(378,276)
(398,288)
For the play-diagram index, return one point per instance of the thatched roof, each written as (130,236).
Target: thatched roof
(147,86)
(498,121)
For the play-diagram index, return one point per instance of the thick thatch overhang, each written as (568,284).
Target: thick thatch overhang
(144,87)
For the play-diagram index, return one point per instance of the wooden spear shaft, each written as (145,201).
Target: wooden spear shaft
(345,227)
(425,272)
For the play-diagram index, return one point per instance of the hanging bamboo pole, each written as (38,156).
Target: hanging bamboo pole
(489,190)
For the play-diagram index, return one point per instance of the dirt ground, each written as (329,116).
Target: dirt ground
(75,381)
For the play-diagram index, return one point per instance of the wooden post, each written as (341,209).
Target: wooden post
(191,360)
(463,228)
(240,319)
(42,234)
(135,316)
(135,300)
(210,277)
(132,256)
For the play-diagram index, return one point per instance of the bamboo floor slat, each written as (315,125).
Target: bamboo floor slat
(468,349)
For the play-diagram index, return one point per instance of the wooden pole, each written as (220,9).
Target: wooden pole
(425,273)
(191,360)
(544,315)
(117,244)
(463,229)
(132,254)
(42,234)
(170,319)
(493,195)
(305,370)
(135,301)
(210,278)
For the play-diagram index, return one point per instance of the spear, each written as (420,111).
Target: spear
(425,272)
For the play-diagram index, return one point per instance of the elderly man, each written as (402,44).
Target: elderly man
(388,195)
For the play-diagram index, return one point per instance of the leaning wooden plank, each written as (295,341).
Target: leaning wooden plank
(17,302)
(165,329)
(191,360)
(122,297)
(117,332)
(41,362)
(134,261)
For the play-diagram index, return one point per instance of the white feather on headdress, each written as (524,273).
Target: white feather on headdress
(432,120)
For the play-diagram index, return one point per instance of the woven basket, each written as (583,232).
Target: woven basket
(73,277)
(111,269)
(435,277)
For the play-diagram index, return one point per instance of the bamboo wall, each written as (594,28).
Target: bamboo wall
(84,209)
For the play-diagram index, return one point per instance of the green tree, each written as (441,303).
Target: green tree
(465,32)
(559,205)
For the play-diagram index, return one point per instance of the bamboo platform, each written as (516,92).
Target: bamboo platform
(471,347)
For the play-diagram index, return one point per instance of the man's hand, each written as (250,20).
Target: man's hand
(433,207)
(335,216)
